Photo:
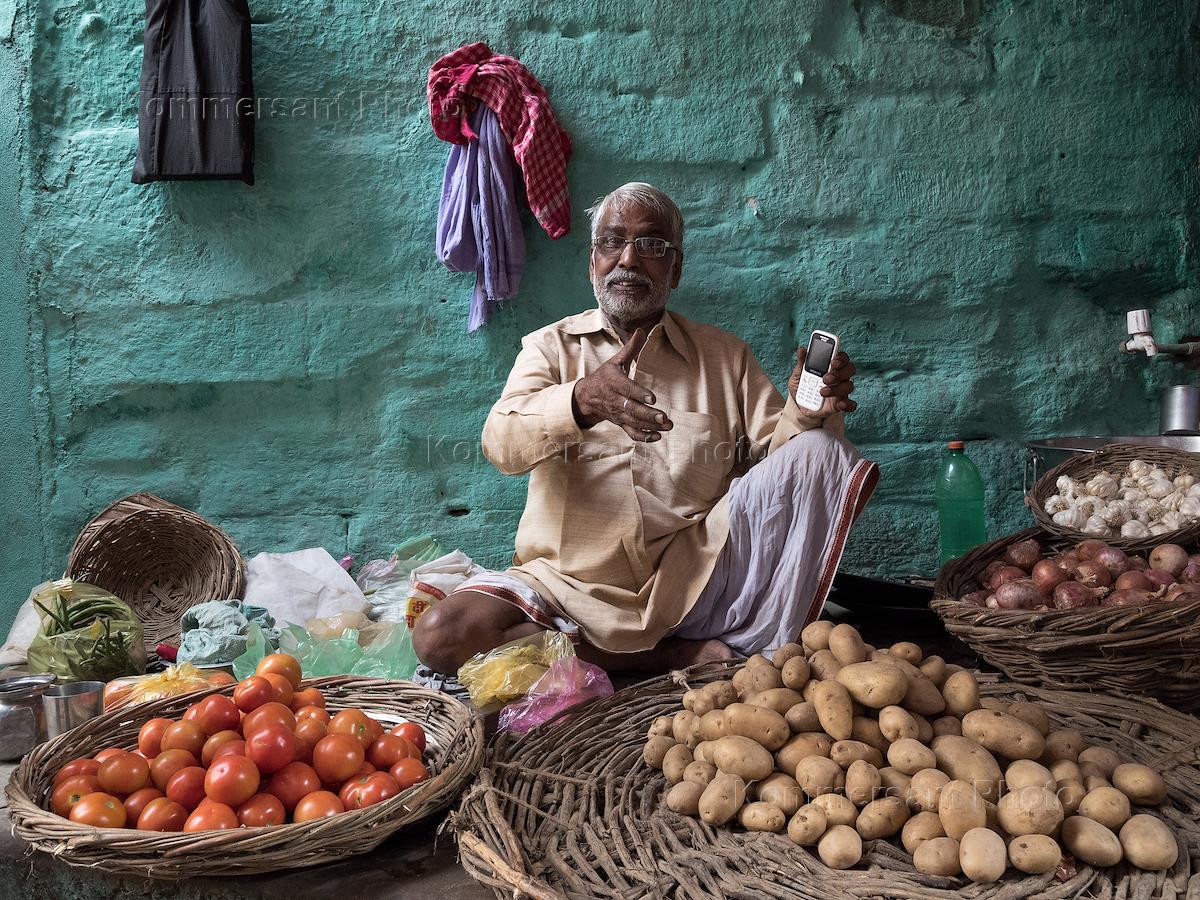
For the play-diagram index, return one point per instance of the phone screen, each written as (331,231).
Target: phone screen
(820,354)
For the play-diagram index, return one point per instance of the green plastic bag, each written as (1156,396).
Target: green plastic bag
(87,634)
(383,651)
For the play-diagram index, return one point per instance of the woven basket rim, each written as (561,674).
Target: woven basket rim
(518,827)
(175,855)
(1045,487)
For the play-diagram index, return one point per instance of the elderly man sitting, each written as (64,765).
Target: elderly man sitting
(679,509)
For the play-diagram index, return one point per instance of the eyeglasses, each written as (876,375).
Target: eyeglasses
(645,247)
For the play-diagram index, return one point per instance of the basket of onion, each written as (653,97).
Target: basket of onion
(1080,614)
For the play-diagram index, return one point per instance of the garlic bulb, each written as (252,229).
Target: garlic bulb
(1173,520)
(1103,486)
(1072,518)
(1097,526)
(1089,506)
(1171,501)
(1184,481)
(1134,529)
(1116,513)
(1194,491)
(1159,528)
(1133,495)
(1189,508)
(1066,485)
(1139,468)
(1159,488)
(1057,503)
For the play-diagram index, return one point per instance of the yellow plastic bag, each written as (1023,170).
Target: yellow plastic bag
(175,680)
(510,670)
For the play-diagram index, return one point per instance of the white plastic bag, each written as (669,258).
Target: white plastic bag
(430,583)
(296,587)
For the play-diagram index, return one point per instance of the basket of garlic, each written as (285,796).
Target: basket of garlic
(1080,615)
(1131,497)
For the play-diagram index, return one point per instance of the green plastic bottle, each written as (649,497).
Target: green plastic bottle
(959,492)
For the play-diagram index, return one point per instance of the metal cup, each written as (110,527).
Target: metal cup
(1180,410)
(70,705)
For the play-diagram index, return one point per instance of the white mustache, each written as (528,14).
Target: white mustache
(628,278)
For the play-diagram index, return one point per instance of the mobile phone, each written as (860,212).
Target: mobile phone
(821,348)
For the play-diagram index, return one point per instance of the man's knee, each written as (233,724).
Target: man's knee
(437,641)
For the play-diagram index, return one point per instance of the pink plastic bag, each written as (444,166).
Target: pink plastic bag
(567,682)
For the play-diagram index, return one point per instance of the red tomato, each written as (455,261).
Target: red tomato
(390,749)
(150,737)
(312,712)
(184,735)
(368,790)
(215,743)
(280,664)
(271,747)
(365,769)
(99,809)
(309,732)
(210,816)
(374,730)
(186,787)
(82,766)
(110,752)
(136,802)
(167,764)
(337,757)
(354,723)
(308,697)
(284,692)
(252,693)
(231,780)
(317,805)
(230,748)
(217,713)
(220,678)
(408,772)
(413,733)
(70,791)
(123,774)
(162,814)
(269,713)
(292,783)
(191,713)
(261,810)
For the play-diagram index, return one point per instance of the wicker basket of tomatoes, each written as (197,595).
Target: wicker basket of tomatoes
(270,773)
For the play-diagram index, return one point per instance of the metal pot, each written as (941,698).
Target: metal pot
(22,718)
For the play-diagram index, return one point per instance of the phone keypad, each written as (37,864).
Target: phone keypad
(808,394)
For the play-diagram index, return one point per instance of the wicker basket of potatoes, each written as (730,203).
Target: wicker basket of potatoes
(833,743)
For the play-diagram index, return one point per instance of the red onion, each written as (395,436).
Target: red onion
(991,569)
(975,598)
(1023,555)
(1112,559)
(1194,558)
(1190,573)
(1091,574)
(1073,595)
(1005,575)
(1136,581)
(1021,594)
(1088,549)
(1047,576)
(1168,557)
(1137,564)
(1160,578)
(1127,598)
(1183,593)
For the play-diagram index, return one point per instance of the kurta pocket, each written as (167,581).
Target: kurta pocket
(698,455)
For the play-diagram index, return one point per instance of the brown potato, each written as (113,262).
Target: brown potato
(933,668)
(703,751)
(802,717)
(656,748)
(866,729)
(960,809)
(661,727)
(722,693)
(947,725)
(910,756)
(684,798)
(758,659)
(1003,734)
(1141,784)
(780,790)
(1091,842)
(1065,744)
(961,693)
(925,789)
(922,696)
(823,665)
(895,783)
(873,684)
(721,799)
(882,818)
(1031,713)
(681,724)
(833,709)
(818,775)
(1027,773)
(845,752)
(674,762)
(815,635)
(1030,810)
(924,729)
(1066,770)
(753,679)
(1105,760)
(922,827)
(760,816)
(862,782)
(938,856)
(795,673)
(838,809)
(765,726)
(1070,795)
(788,651)
(1148,843)
(1106,805)
(800,747)
(964,760)
(907,651)
(699,772)
(896,723)
(840,847)
(778,700)
(738,755)
(712,725)
(982,855)
(698,701)
(1035,854)
(807,826)
(847,645)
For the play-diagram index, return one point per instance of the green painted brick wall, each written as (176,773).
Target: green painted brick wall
(972,193)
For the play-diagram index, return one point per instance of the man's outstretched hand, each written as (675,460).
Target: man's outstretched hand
(610,395)
(837,387)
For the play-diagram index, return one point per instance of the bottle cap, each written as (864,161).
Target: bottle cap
(955,445)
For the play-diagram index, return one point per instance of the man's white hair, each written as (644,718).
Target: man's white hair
(647,196)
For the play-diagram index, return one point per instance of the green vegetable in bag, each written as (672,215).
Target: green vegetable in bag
(87,634)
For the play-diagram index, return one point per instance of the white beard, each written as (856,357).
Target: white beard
(625,309)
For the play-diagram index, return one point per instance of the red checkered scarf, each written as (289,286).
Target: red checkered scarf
(539,144)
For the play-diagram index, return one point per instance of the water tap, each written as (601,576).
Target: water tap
(1137,322)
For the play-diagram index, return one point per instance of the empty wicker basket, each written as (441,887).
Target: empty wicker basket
(159,558)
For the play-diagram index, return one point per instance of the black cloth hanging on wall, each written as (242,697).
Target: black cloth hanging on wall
(196,103)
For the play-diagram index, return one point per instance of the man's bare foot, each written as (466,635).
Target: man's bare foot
(693,653)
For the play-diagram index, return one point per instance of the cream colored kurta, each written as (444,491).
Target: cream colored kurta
(622,535)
